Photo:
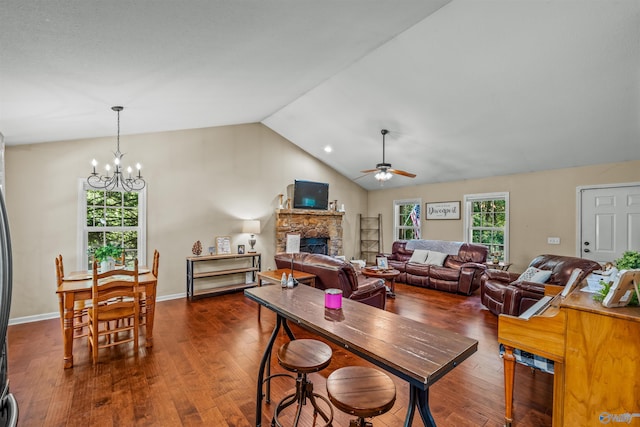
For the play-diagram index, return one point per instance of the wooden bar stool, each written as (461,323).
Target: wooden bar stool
(304,356)
(361,391)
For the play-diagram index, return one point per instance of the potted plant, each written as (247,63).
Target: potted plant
(629,260)
(106,255)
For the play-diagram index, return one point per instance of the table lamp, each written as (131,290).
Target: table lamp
(251,226)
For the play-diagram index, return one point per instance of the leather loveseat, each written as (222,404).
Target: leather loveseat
(502,293)
(459,272)
(334,273)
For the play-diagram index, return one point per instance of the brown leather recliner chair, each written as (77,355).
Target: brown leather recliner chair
(501,293)
(334,273)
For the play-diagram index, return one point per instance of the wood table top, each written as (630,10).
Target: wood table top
(277,274)
(380,272)
(415,351)
(83,280)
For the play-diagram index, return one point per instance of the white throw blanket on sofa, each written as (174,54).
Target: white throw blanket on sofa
(450,248)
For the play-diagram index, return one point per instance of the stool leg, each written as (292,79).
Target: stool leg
(304,390)
(302,398)
(316,408)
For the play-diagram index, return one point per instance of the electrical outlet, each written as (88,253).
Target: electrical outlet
(553,240)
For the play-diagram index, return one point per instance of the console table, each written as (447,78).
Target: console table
(223,272)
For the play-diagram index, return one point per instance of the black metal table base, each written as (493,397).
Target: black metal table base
(265,365)
(418,398)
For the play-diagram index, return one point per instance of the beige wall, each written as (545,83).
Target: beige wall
(201,184)
(542,204)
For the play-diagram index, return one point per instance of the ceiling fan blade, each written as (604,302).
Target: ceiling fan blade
(403,173)
(361,176)
(384,167)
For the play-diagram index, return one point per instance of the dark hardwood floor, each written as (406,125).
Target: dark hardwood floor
(203,366)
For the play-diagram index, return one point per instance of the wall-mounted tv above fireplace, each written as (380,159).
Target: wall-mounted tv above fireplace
(310,195)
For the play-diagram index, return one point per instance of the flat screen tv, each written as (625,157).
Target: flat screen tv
(310,195)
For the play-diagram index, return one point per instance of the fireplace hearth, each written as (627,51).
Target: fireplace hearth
(310,224)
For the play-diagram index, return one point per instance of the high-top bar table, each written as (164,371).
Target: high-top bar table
(418,353)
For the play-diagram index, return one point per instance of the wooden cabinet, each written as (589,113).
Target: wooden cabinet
(209,275)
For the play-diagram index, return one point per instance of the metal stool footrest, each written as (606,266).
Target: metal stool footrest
(304,391)
(264,395)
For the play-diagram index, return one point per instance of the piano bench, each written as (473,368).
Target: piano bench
(531,360)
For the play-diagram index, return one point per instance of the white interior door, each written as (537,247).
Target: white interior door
(610,221)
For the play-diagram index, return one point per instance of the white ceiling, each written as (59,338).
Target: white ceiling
(467,88)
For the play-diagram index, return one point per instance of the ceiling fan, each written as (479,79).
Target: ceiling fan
(383,170)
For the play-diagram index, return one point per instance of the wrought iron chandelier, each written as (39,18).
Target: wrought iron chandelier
(117,179)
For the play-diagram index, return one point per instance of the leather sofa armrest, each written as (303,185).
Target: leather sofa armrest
(477,265)
(392,256)
(500,275)
(371,292)
(470,274)
(368,286)
(530,287)
(521,295)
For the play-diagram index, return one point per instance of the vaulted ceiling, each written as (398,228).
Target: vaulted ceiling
(466,88)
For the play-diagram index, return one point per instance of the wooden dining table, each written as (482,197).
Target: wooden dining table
(77,287)
(416,352)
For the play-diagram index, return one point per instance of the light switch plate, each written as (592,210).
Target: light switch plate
(553,240)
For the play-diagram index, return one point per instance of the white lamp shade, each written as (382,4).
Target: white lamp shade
(251,226)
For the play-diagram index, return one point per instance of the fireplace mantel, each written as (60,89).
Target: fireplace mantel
(310,223)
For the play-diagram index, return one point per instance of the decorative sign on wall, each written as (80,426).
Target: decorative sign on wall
(443,210)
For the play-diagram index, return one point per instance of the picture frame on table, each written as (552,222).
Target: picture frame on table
(240,249)
(442,210)
(382,263)
(223,245)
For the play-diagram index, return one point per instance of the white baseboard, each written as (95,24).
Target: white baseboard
(54,315)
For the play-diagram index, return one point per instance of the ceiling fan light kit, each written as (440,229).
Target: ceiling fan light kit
(384,171)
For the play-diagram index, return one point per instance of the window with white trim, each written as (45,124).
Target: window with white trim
(487,223)
(406,224)
(115,216)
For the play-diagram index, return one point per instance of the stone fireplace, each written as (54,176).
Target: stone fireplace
(310,224)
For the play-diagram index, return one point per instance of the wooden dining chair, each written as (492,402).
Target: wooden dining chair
(143,295)
(121,262)
(80,314)
(115,298)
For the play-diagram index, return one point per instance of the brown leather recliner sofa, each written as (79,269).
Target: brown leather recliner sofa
(459,273)
(334,273)
(502,293)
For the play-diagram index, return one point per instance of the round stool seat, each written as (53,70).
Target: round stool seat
(304,355)
(361,391)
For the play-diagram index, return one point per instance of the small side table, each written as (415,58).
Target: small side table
(388,275)
(504,266)
(274,276)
